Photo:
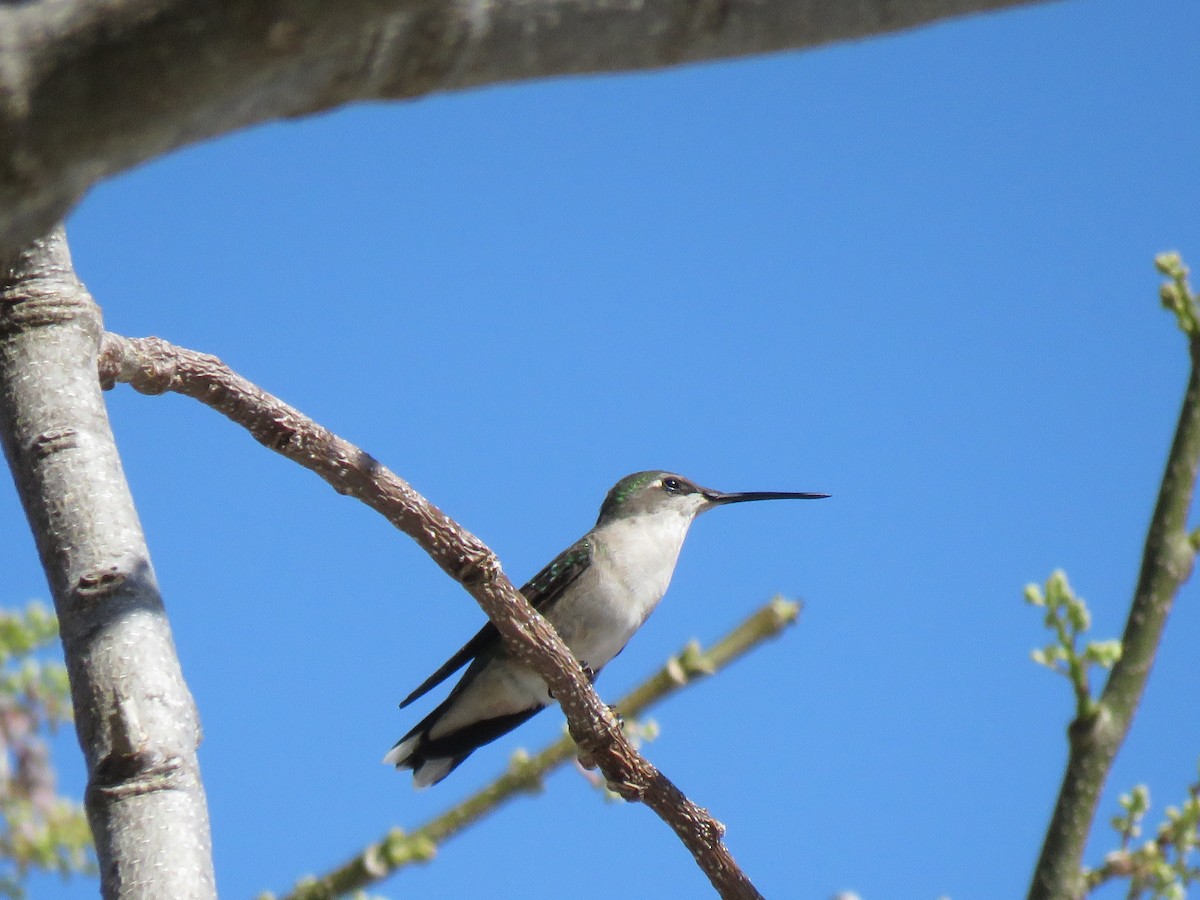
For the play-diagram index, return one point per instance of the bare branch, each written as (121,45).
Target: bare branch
(399,848)
(90,89)
(153,366)
(136,720)
(1097,735)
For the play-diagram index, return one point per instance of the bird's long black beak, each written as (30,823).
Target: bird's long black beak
(719,498)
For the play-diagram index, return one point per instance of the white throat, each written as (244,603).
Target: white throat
(641,553)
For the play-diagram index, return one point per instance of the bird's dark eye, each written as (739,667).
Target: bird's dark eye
(672,485)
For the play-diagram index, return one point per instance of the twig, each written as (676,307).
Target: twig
(152,366)
(399,848)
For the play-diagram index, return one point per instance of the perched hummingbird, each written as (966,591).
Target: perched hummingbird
(596,594)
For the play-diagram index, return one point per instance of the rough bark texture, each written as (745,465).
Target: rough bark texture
(88,89)
(136,721)
(153,366)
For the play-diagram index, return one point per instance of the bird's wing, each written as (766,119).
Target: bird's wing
(542,591)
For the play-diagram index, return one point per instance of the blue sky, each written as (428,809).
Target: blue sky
(913,272)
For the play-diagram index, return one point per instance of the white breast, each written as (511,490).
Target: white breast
(632,564)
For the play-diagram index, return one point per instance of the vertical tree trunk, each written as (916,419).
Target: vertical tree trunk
(136,720)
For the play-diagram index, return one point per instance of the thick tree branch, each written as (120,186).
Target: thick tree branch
(1097,735)
(399,848)
(135,718)
(153,366)
(89,89)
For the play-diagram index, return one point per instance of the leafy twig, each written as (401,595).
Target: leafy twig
(1097,733)
(1068,617)
(41,829)
(1161,867)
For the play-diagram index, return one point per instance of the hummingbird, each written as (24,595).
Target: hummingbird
(596,594)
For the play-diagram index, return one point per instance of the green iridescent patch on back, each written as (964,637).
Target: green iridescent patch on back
(626,488)
(563,569)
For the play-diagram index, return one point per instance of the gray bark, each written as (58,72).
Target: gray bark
(89,89)
(136,720)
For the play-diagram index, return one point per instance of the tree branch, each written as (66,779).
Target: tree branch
(398,849)
(90,89)
(153,366)
(1167,562)
(136,720)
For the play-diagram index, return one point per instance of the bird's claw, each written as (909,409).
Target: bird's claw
(588,672)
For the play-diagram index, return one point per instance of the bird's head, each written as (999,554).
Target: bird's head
(658,492)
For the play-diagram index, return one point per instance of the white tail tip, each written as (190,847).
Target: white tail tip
(432,771)
(399,754)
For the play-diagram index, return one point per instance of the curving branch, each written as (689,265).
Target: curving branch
(152,366)
(90,89)
(136,721)
(398,848)
(1097,733)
